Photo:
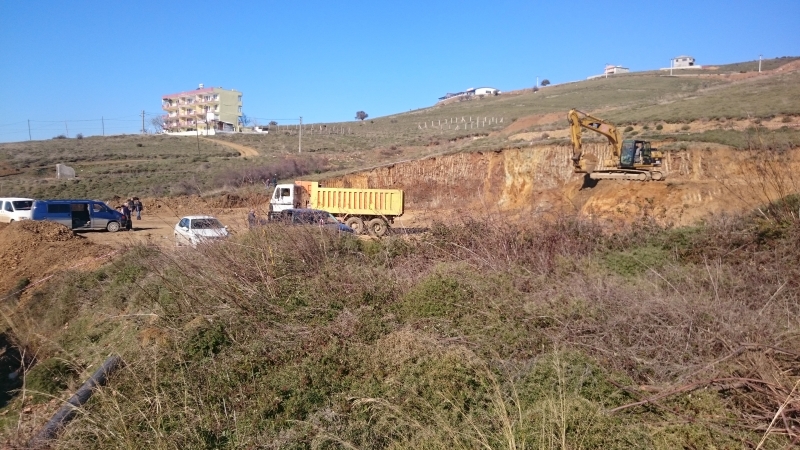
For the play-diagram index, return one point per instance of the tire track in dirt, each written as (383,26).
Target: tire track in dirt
(242,149)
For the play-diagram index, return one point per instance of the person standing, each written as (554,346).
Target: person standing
(137,206)
(126,217)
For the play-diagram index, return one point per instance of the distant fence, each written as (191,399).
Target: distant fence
(463,123)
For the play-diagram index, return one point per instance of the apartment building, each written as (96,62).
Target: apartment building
(201,109)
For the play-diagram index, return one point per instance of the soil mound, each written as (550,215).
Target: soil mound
(31,250)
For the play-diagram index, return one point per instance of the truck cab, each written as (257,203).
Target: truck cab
(286,196)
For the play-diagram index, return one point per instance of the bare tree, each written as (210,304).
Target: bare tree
(158,123)
(361,115)
(245,121)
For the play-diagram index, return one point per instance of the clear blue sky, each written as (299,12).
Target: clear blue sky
(83,60)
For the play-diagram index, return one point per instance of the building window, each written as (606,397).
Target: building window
(240,98)
(216,96)
(240,109)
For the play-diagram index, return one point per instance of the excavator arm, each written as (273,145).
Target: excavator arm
(578,120)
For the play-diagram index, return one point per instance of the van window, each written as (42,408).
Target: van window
(58,208)
(7,207)
(23,205)
(99,207)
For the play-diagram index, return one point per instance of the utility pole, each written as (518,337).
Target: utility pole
(670,67)
(759,63)
(67,127)
(29,130)
(300,139)
(143,122)
(103,123)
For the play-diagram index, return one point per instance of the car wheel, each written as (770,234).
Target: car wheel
(112,227)
(356,224)
(11,221)
(377,227)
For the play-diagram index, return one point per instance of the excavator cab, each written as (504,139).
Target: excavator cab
(635,153)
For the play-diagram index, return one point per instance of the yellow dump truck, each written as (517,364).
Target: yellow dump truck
(363,210)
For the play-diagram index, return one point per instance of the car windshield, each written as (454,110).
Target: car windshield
(23,205)
(206,224)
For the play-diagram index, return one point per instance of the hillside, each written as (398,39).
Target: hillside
(522,306)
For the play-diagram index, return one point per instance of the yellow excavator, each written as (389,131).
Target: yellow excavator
(630,159)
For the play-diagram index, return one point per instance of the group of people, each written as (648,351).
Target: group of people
(130,206)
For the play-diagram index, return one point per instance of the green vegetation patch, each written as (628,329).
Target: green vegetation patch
(48,378)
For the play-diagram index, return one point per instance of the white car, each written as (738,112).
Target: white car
(192,230)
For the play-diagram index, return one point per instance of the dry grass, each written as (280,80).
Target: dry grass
(475,335)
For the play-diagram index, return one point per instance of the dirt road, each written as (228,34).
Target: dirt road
(242,149)
(157,229)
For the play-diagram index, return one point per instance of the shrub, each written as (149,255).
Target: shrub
(207,341)
(628,128)
(60,136)
(48,378)
(685,127)
(659,127)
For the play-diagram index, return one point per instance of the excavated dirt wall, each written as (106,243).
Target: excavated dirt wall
(524,183)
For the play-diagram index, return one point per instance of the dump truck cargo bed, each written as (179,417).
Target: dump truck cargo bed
(355,201)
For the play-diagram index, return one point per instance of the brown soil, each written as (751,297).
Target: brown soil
(34,250)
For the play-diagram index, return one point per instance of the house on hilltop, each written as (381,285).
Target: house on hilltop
(471,92)
(610,70)
(202,109)
(683,62)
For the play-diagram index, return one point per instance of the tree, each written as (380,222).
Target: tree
(272,123)
(545,82)
(361,115)
(245,121)
(158,123)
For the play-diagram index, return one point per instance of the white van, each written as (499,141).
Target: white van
(14,209)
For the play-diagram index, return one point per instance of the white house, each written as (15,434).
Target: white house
(612,69)
(486,91)
(683,62)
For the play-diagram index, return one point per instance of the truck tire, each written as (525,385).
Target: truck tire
(377,227)
(113,227)
(356,224)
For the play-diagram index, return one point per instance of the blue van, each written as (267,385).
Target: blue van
(78,214)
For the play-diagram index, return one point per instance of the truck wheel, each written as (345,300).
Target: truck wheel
(356,224)
(377,227)
(112,227)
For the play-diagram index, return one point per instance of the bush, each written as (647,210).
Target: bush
(48,378)
(628,128)
(659,127)
(685,127)
(79,136)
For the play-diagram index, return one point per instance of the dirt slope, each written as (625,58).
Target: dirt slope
(520,184)
(34,250)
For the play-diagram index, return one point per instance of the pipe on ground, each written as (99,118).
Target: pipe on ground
(68,411)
